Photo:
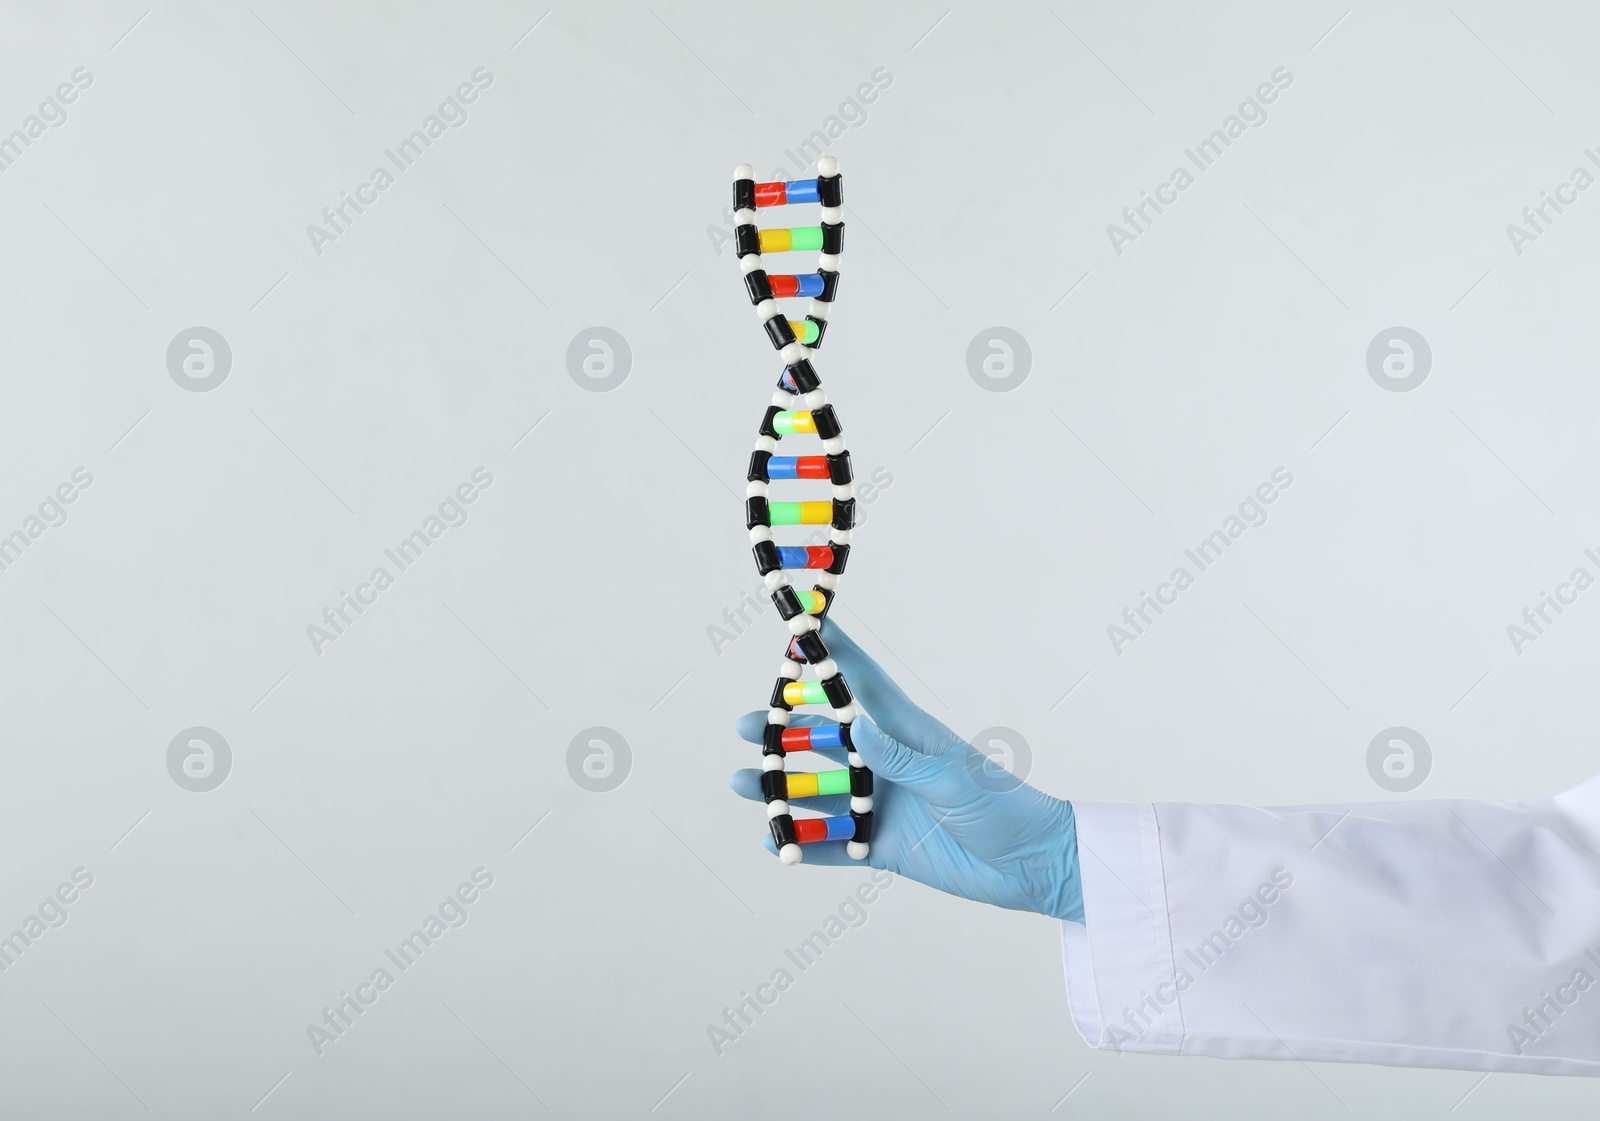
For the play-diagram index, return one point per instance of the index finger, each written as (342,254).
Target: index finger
(887,703)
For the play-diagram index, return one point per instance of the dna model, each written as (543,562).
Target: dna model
(801,408)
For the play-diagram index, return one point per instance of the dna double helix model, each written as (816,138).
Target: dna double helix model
(801,408)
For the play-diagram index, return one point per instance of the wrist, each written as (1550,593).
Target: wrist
(1066,900)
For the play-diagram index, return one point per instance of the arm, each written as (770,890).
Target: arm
(1460,933)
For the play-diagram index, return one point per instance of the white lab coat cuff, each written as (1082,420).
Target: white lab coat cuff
(1124,951)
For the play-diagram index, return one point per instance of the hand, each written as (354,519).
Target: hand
(943,813)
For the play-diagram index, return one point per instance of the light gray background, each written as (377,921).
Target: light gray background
(367,382)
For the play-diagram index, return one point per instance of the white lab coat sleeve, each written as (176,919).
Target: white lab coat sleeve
(1459,934)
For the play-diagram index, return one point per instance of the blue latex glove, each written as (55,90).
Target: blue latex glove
(943,813)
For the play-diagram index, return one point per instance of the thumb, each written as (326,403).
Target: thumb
(892,760)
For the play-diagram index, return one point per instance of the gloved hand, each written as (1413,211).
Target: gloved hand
(943,813)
